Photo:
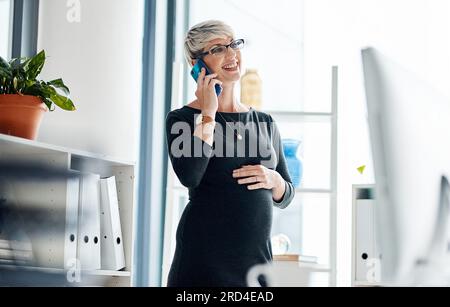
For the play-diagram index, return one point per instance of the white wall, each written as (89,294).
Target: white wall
(5,10)
(99,58)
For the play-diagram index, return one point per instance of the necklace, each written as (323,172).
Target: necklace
(238,134)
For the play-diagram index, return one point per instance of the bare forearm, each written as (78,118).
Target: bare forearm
(279,188)
(205,132)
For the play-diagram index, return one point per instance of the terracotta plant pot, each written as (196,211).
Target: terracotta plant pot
(21,115)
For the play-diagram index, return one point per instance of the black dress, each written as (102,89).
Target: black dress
(225,228)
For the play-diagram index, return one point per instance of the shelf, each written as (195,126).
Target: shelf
(286,116)
(312,266)
(62,271)
(11,145)
(108,273)
(298,190)
(313,191)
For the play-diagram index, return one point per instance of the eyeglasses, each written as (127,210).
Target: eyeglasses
(221,50)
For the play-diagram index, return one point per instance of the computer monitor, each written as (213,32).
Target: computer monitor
(409,125)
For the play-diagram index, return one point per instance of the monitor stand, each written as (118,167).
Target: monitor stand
(440,246)
(434,269)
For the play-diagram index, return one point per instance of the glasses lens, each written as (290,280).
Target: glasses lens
(219,50)
(237,44)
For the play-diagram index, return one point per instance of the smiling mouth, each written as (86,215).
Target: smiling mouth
(231,67)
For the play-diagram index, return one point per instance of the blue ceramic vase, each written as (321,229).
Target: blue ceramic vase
(294,164)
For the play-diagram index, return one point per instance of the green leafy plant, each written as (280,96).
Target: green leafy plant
(18,76)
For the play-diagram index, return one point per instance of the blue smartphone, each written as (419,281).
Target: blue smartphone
(197,69)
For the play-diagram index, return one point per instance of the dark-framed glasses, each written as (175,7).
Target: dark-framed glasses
(221,50)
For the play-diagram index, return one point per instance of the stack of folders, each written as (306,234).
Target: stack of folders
(113,256)
(93,238)
(15,246)
(15,252)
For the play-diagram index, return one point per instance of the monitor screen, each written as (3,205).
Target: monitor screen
(409,127)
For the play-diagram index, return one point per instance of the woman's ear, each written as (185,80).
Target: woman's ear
(193,62)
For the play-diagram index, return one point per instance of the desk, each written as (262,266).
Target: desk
(289,274)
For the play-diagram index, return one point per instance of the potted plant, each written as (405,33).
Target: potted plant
(24,99)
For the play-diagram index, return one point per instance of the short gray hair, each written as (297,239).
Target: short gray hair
(199,35)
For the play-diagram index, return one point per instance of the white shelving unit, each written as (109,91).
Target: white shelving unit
(50,197)
(327,117)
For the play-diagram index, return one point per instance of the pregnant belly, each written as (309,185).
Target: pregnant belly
(236,216)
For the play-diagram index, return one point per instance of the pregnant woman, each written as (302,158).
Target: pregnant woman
(230,158)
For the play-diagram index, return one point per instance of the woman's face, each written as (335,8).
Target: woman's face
(228,66)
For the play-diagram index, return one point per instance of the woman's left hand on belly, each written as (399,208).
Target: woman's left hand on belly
(258,177)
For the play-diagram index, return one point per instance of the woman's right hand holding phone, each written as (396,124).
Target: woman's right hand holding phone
(206,93)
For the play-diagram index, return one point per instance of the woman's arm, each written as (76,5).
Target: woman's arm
(284,192)
(189,151)
(279,189)
(260,177)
